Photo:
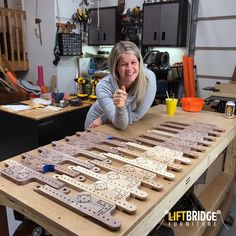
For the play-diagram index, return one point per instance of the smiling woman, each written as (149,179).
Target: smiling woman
(127,93)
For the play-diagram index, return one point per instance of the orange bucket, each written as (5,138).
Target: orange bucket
(192,104)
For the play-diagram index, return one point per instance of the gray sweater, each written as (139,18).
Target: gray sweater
(120,117)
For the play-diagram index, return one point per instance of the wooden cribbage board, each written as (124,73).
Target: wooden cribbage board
(191,139)
(86,203)
(113,143)
(148,160)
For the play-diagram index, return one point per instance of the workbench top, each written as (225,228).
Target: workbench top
(225,90)
(42,113)
(63,222)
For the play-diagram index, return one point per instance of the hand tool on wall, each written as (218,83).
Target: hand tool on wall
(37,22)
(38,35)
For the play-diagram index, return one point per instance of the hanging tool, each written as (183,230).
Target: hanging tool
(56,48)
(37,22)
(81,16)
(39,35)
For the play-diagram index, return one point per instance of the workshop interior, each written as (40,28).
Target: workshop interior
(170,173)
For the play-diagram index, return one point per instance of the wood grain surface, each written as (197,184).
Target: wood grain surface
(133,216)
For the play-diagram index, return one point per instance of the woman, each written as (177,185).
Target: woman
(125,95)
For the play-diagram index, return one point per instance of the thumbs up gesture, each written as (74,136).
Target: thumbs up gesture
(119,97)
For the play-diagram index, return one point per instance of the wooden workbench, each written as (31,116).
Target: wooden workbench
(27,129)
(42,113)
(60,221)
(223,92)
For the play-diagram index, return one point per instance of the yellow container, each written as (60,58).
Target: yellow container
(171,104)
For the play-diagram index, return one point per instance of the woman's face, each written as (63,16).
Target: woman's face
(128,69)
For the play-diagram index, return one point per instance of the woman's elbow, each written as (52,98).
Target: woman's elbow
(121,126)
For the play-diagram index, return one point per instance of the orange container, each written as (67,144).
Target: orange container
(192,104)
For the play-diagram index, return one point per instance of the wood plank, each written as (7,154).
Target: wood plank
(4,31)
(23,38)
(230,159)
(107,191)
(17,38)
(86,204)
(122,181)
(9,27)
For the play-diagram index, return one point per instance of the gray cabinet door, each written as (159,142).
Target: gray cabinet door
(108,26)
(93,29)
(169,24)
(165,23)
(151,24)
(102,30)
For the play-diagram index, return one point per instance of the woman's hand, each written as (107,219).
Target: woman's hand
(96,123)
(119,97)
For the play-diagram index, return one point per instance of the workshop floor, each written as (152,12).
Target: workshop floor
(225,230)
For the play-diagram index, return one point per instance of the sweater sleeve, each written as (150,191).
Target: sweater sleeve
(148,99)
(117,116)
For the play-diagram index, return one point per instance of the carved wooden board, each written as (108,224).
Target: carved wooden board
(22,175)
(187,138)
(74,151)
(162,153)
(173,140)
(87,145)
(93,140)
(198,126)
(154,166)
(89,138)
(196,131)
(156,134)
(128,184)
(102,189)
(34,162)
(86,204)
(102,136)
(169,162)
(187,150)
(147,178)
(176,129)
(58,157)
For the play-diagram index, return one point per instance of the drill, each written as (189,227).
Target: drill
(81,81)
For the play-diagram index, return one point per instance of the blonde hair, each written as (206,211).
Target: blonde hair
(141,81)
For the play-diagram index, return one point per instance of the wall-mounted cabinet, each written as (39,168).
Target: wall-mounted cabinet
(104,25)
(165,23)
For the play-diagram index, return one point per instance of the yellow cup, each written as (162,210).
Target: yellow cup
(171,104)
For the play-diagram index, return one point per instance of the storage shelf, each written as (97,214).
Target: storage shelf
(213,199)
